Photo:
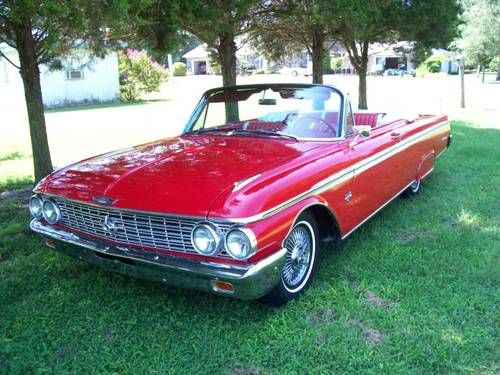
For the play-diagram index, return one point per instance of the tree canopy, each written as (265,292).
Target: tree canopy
(43,32)
(480,33)
(287,27)
(359,23)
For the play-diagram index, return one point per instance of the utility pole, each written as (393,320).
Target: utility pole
(462,83)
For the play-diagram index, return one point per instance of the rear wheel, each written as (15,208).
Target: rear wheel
(413,189)
(300,261)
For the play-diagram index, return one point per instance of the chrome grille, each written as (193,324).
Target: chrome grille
(133,228)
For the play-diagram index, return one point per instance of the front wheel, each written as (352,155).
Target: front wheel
(300,261)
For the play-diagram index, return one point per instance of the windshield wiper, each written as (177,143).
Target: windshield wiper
(266,133)
(210,130)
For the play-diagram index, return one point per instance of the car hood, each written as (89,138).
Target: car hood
(182,175)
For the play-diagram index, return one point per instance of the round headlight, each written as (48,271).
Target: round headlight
(205,239)
(35,206)
(241,243)
(51,212)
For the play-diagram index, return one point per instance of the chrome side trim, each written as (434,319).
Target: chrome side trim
(377,210)
(341,176)
(242,183)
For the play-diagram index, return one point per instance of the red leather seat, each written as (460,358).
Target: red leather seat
(363,118)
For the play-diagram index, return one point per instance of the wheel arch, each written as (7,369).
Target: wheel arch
(326,221)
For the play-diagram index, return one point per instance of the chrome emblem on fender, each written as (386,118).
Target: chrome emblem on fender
(112,225)
(104,200)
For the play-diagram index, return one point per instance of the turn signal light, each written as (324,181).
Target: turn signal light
(222,287)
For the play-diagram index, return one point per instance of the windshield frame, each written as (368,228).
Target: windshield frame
(204,101)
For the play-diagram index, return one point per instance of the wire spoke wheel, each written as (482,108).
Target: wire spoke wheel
(299,245)
(299,262)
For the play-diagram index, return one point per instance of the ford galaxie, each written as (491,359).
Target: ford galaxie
(240,202)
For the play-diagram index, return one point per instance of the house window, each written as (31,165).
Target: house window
(74,74)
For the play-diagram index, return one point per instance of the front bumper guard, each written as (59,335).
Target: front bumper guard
(249,281)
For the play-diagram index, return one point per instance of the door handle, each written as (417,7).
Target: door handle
(396,136)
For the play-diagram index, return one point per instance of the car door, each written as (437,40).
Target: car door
(379,174)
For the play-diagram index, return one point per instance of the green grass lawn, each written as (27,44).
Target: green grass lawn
(415,290)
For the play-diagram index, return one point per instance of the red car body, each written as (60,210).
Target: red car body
(262,184)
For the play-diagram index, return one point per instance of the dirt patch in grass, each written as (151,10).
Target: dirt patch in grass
(320,340)
(321,317)
(408,237)
(21,194)
(372,336)
(451,222)
(5,257)
(377,301)
(246,371)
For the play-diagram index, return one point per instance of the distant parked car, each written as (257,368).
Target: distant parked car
(295,71)
(400,72)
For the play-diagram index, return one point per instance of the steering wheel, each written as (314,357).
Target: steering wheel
(314,120)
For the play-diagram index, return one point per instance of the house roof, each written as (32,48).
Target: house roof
(199,52)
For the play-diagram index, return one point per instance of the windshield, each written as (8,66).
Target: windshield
(279,111)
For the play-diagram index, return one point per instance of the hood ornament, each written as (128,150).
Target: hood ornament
(104,200)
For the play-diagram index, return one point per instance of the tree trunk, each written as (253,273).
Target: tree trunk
(362,98)
(484,71)
(498,74)
(30,75)
(362,71)
(318,53)
(227,58)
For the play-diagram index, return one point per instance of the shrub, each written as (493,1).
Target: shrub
(260,71)
(433,63)
(327,69)
(179,69)
(216,69)
(336,64)
(139,74)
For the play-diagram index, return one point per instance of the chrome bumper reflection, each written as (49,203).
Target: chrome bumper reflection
(249,282)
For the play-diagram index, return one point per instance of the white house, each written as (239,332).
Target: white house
(82,79)
(198,60)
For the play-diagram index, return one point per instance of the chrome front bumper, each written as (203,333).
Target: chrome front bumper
(249,281)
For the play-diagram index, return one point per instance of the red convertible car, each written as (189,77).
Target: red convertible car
(240,202)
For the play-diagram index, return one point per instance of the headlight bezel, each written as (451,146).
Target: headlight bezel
(30,207)
(214,232)
(250,237)
(56,208)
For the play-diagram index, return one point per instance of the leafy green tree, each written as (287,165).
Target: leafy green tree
(480,39)
(219,23)
(154,25)
(43,32)
(288,27)
(359,23)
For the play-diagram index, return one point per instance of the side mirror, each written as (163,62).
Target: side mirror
(362,130)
